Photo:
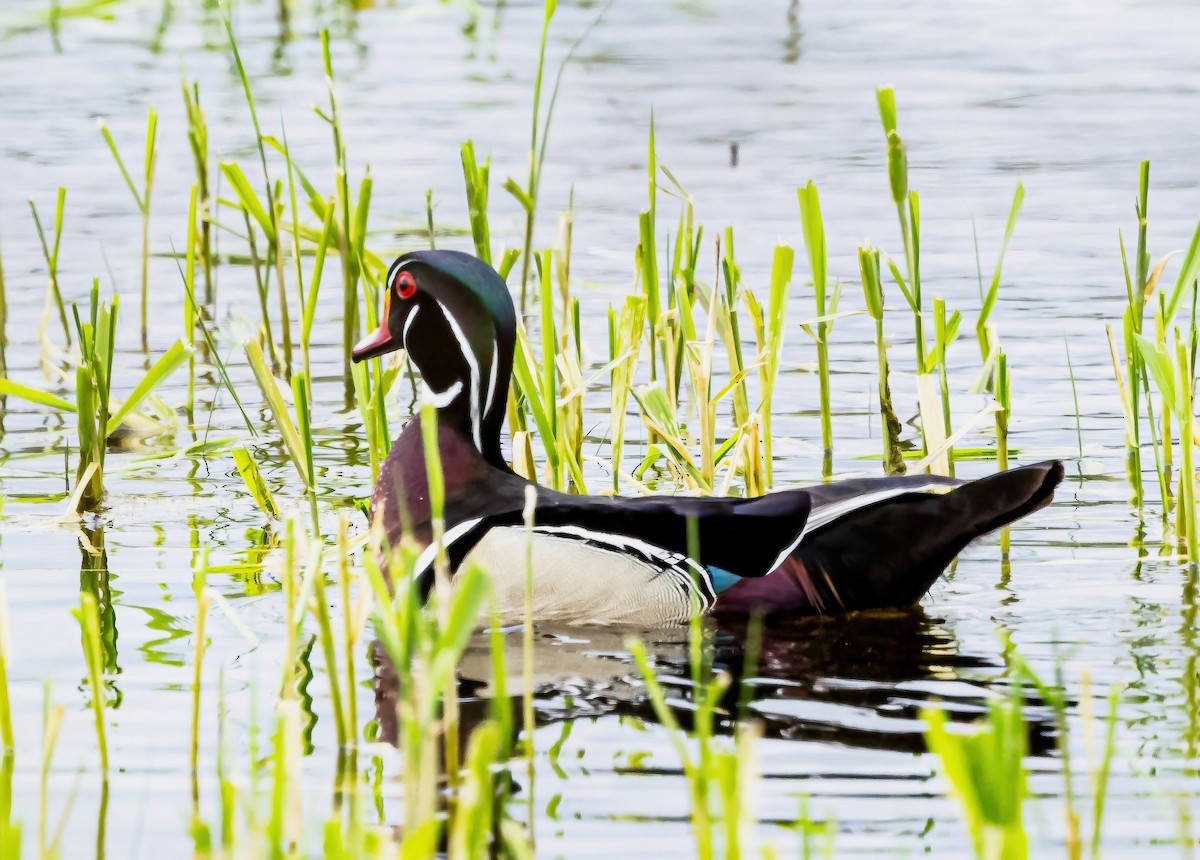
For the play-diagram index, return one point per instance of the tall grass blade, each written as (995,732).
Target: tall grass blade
(50,255)
(987,776)
(7,742)
(142,200)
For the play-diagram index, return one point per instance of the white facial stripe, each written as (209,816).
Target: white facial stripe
(492,378)
(391,275)
(408,324)
(473,364)
(441,399)
(425,559)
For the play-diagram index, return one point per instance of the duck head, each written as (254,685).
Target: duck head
(454,316)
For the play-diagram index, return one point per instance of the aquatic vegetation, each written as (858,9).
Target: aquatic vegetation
(827,308)
(869,271)
(1168,360)
(7,743)
(98,413)
(987,774)
(142,199)
(986,768)
(50,253)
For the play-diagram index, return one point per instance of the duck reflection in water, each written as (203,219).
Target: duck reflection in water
(859,679)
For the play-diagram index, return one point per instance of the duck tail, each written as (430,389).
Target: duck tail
(890,552)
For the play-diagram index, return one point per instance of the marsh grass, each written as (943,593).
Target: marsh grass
(1168,361)
(986,770)
(142,199)
(827,307)
(10,830)
(984,333)
(721,777)
(98,413)
(870,273)
(527,196)
(197,134)
(350,215)
(54,299)
(987,775)
(935,415)
(265,211)
(7,739)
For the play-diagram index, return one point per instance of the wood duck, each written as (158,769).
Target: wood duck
(857,544)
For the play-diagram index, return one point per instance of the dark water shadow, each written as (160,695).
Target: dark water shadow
(858,680)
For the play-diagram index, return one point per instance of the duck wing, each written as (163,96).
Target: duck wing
(880,543)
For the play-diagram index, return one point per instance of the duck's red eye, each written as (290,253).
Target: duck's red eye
(405,285)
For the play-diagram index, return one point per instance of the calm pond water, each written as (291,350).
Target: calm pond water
(1066,96)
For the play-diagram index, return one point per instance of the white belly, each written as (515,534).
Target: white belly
(578,582)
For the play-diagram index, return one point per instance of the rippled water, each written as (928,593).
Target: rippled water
(1066,96)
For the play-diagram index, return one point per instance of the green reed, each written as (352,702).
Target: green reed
(541,386)
(475,177)
(625,338)
(1173,369)
(1138,295)
(372,383)
(308,296)
(647,257)
(771,344)
(527,197)
(1004,412)
(715,771)
(869,271)
(190,311)
(987,775)
(729,301)
(1168,360)
(265,211)
(7,741)
(527,714)
(1101,769)
(908,214)
(351,215)
(50,255)
(476,180)
(298,448)
(98,413)
(93,377)
(1140,286)
(142,199)
(197,134)
(945,332)
(983,332)
(1075,399)
(10,830)
(1054,693)
(827,304)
